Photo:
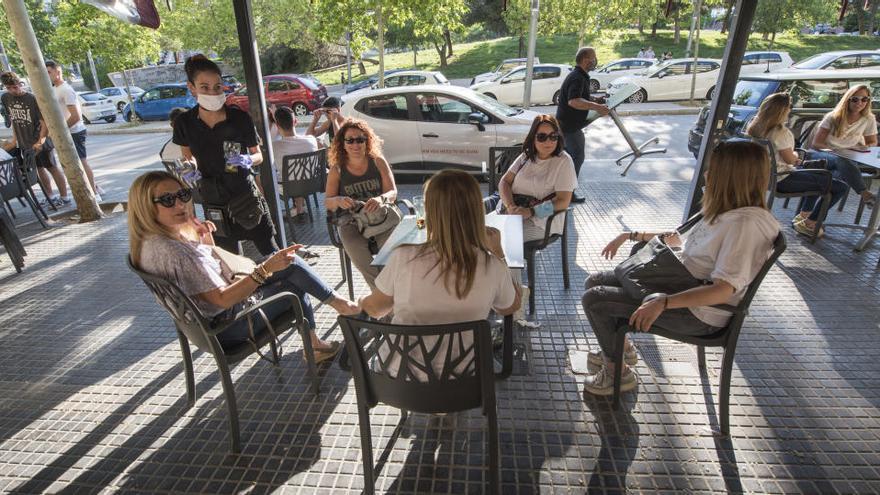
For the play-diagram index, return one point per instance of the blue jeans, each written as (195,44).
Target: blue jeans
(298,278)
(574,146)
(841,168)
(805,181)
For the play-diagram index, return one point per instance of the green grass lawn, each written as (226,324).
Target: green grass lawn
(470,59)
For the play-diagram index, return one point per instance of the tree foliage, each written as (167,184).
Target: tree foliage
(43,28)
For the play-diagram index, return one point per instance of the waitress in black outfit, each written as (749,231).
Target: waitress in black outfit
(201,132)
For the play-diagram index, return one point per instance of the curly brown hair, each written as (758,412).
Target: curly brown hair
(339,157)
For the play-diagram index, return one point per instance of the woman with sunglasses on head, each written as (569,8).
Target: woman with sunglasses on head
(850,125)
(540,181)
(169,241)
(359,174)
(769,124)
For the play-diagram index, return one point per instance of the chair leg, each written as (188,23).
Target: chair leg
(701,357)
(276,359)
(564,248)
(187,369)
(349,277)
(843,200)
(530,268)
(366,449)
(9,208)
(342,264)
(859,211)
(823,212)
(785,203)
(229,391)
(309,209)
(620,340)
(309,352)
(38,211)
(29,190)
(494,452)
(724,390)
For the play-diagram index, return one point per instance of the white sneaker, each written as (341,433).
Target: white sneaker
(602,383)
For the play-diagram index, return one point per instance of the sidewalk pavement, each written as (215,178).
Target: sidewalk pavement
(93,398)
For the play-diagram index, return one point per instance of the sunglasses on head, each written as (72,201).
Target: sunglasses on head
(168,199)
(857,99)
(357,140)
(543,137)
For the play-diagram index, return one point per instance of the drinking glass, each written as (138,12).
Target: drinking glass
(419,205)
(231,149)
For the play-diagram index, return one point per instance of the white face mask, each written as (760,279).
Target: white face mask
(212,103)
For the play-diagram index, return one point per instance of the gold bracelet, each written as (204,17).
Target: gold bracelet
(264,273)
(257,278)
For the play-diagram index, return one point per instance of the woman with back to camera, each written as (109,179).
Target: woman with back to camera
(359,173)
(169,241)
(728,247)
(769,124)
(458,275)
(202,134)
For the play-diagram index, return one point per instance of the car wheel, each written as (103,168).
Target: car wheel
(711,94)
(110,120)
(556,98)
(640,96)
(490,95)
(594,86)
(86,120)
(120,106)
(300,109)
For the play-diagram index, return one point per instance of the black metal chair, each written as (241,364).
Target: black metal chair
(725,338)
(500,159)
(12,187)
(303,176)
(194,327)
(29,177)
(9,239)
(532,247)
(442,383)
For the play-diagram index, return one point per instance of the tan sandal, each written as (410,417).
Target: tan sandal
(328,354)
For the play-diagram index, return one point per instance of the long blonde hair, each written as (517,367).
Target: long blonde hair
(771,115)
(454,218)
(738,176)
(142,222)
(838,115)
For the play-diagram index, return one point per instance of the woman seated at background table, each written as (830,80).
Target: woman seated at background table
(359,172)
(728,246)
(540,181)
(458,275)
(169,241)
(850,125)
(769,124)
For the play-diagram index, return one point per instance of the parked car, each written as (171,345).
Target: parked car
(814,93)
(369,82)
(508,89)
(301,93)
(157,103)
(413,78)
(428,128)
(503,68)
(844,59)
(230,84)
(755,62)
(96,106)
(119,97)
(600,77)
(671,80)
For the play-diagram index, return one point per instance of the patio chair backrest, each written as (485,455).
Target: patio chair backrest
(440,368)
(500,159)
(303,174)
(10,181)
(186,315)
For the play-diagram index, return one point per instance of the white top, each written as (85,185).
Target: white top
(421,298)
(67,96)
(853,135)
(782,139)
(292,145)
(541,178)
(732,249)
(649,54)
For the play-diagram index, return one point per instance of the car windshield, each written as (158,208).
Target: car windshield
(497,106)
(752,93)
(815,62)
(92,96)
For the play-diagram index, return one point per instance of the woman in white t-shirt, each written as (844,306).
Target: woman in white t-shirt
(458,275)
(769,124)
(727,246)
(542,176)
(850,125)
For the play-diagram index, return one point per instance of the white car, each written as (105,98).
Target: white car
(844,59)
(502,68)
(96,106)
(508,89)
(119,97)
(413,78)
(432,127)
(671,80)
(758,62)
(600,77)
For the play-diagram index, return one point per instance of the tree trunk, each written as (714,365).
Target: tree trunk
(521,46)
(654,29)
(640,25)
(872,16)
(361,69)
(772,40)
(860,15)
(765,35)
(441,50)
(726,24)
(448,36)
(415,50)
(676,36)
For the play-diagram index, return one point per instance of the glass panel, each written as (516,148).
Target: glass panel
(751,93)
(817,94)
(851,62)
(870,61)
(391,107)
(442,108)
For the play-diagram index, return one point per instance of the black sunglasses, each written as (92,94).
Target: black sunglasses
(542,137)
(358,140)
(168,199)
(857,99)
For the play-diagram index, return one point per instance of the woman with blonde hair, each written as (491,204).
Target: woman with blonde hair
(359,176)
(769,124)
(850,125)
(727,246)
(458,275)
(169,241)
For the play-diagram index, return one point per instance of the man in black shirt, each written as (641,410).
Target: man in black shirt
(575,104)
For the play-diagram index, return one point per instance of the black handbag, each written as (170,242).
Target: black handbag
(654,268)
(247,209)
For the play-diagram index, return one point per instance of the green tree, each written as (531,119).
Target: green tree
(775,16)
(435,21)
(43,28)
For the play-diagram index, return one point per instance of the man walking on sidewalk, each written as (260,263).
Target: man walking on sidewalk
(72,111)
(29,132)
(575,104)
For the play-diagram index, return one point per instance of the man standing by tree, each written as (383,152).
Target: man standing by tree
(575,104)
(72,111)
(31,133)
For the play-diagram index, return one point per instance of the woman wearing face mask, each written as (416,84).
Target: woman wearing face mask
(202,134)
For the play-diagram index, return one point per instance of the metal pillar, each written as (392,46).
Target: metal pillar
(347,59)
(530,61)
(250,59)
(737,39)
(380,27)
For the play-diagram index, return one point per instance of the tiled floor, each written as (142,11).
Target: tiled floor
(92,394)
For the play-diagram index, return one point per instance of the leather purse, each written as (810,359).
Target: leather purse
(654,268)
(377,222)
(248,209)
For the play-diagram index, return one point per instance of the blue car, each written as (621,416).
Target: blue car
(157,102)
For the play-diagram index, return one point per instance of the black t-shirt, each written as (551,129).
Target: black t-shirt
(24,114)
(575,85)
(206,144)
